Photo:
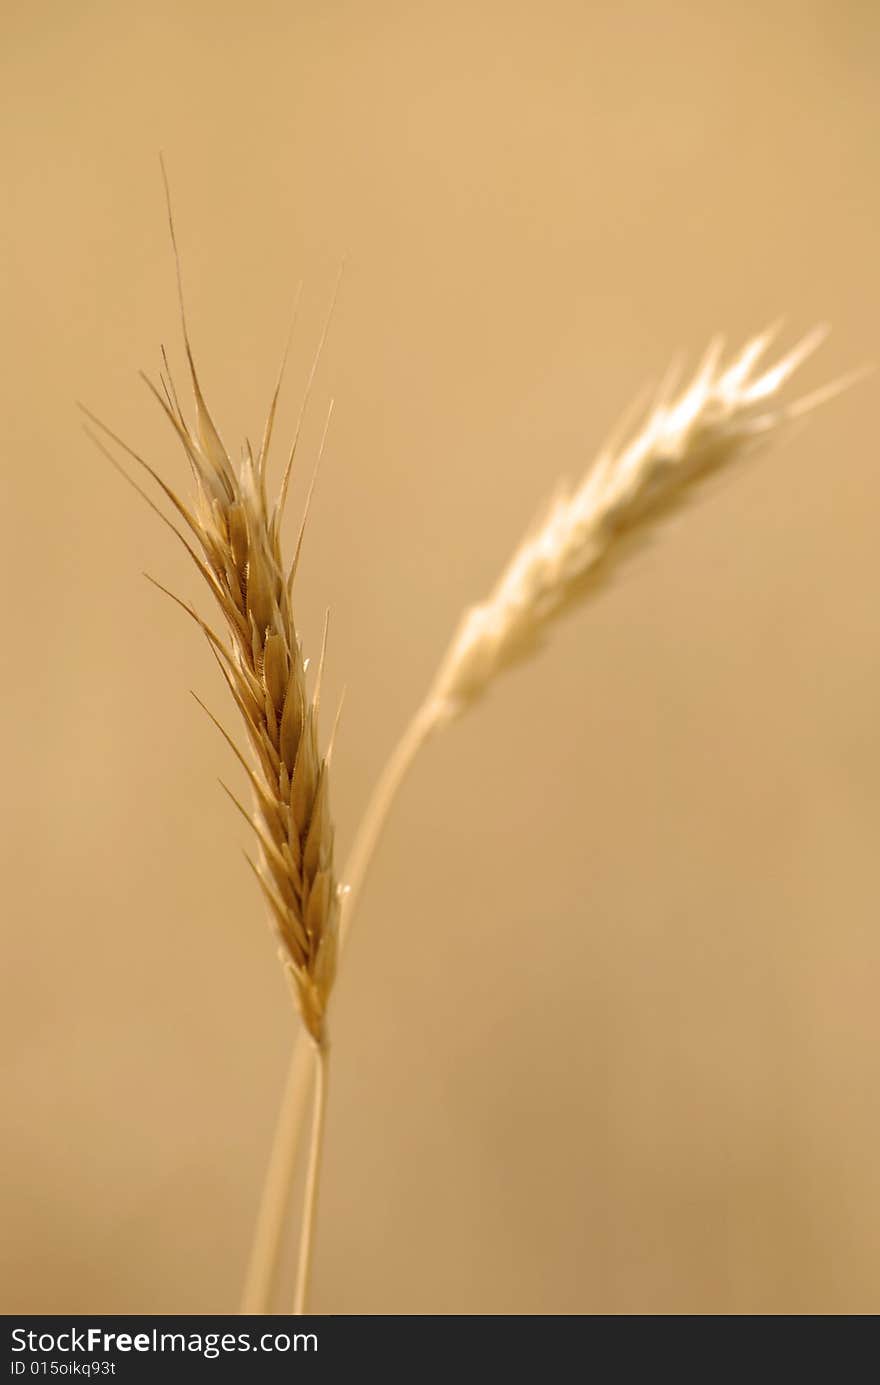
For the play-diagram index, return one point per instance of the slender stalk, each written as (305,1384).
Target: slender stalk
(373,822)
(313,1181)
(274,1204)
(265,1253)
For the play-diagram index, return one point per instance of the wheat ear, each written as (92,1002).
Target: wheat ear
(237,550)
(684,439)
(724,413)
(232,533)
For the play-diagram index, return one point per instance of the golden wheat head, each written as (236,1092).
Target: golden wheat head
(237,549)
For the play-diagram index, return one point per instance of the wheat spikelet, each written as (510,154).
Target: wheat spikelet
(237,533)
(723,413)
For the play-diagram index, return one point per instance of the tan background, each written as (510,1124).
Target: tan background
(607,1038)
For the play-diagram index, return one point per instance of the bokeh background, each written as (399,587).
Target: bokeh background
(606,1040)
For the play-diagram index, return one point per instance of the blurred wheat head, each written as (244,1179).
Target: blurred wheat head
(685,438)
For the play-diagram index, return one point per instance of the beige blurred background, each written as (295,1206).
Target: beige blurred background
(606,1040)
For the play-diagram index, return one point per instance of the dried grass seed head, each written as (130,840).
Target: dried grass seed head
(723,413)
(240,536)
(234,539)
